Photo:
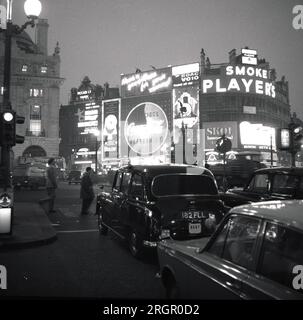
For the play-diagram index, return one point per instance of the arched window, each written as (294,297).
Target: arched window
(34,151)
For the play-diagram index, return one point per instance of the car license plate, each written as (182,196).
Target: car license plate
(192,214)
(195,228)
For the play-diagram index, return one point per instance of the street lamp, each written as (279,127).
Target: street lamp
(96,134)
(32,10)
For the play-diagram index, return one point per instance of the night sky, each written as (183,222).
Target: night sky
(104,38)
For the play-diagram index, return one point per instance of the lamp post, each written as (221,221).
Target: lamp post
(32,10)
(183,130)
(96,134)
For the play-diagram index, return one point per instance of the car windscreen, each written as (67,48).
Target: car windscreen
(183,184)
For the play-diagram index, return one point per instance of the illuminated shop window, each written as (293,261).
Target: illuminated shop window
(44,69)
(24,68)
(35,127)
(36,92)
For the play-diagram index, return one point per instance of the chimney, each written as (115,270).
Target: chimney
(42,36)
(106,90)
(232,56)
(202,59)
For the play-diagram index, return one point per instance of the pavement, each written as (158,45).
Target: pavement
(31,226)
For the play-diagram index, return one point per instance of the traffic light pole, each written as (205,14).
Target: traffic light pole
(6,149)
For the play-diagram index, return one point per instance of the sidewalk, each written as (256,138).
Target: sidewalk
(31,226)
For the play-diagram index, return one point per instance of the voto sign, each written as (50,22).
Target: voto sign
(240,78)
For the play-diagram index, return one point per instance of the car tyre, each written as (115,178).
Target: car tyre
(103,230)
(135,244)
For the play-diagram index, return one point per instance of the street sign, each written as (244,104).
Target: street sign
(2,16)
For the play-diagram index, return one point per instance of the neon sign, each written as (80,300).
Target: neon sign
(146,82)
(241,79)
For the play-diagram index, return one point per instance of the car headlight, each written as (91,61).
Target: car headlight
(5,200)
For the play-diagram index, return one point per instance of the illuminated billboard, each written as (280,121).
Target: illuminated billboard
(215,130)
(88,118)
(257,136)
(186,112)
(240,78)
(146,128)
(146,83)
(110,128)
(186,75)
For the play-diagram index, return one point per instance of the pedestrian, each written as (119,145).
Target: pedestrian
(87,191)
(51,185)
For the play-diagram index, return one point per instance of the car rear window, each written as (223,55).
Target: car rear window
(183,184)
(285,184)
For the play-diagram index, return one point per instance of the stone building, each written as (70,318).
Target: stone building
(35,91)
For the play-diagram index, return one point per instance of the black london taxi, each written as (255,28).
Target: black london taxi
(146,203)
(255,253)
(278,183)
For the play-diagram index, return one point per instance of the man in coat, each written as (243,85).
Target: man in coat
(87,191)
(51,184)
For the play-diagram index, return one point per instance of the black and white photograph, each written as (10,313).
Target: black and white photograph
(151,153)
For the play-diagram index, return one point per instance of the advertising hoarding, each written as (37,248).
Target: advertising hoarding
(240,78)
(215,130)
(110,128)
(186,75)
(146,83)
(186,112)
(146,128)
(88,118)
(257,136)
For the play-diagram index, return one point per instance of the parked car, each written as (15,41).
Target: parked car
(29,176)
(252,255)
(279,183)
(147,202)
(74,176)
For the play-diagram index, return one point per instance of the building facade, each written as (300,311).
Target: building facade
(80,123)
(243,99)
(35,91)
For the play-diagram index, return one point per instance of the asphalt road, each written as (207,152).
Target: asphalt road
(80,263)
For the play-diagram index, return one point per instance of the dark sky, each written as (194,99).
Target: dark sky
(104,38)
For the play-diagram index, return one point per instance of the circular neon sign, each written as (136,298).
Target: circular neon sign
(146,128)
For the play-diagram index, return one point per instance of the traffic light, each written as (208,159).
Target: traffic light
(297,138)
(8,121)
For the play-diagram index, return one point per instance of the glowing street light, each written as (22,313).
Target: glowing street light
(32,10)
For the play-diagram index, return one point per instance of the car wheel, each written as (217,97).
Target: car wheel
(103,230)
(69,182)
(135,244)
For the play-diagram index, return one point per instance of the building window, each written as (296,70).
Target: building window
(35,120)
(35,127)
(44,69)
(35,112)
(24,68)
(36,92)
